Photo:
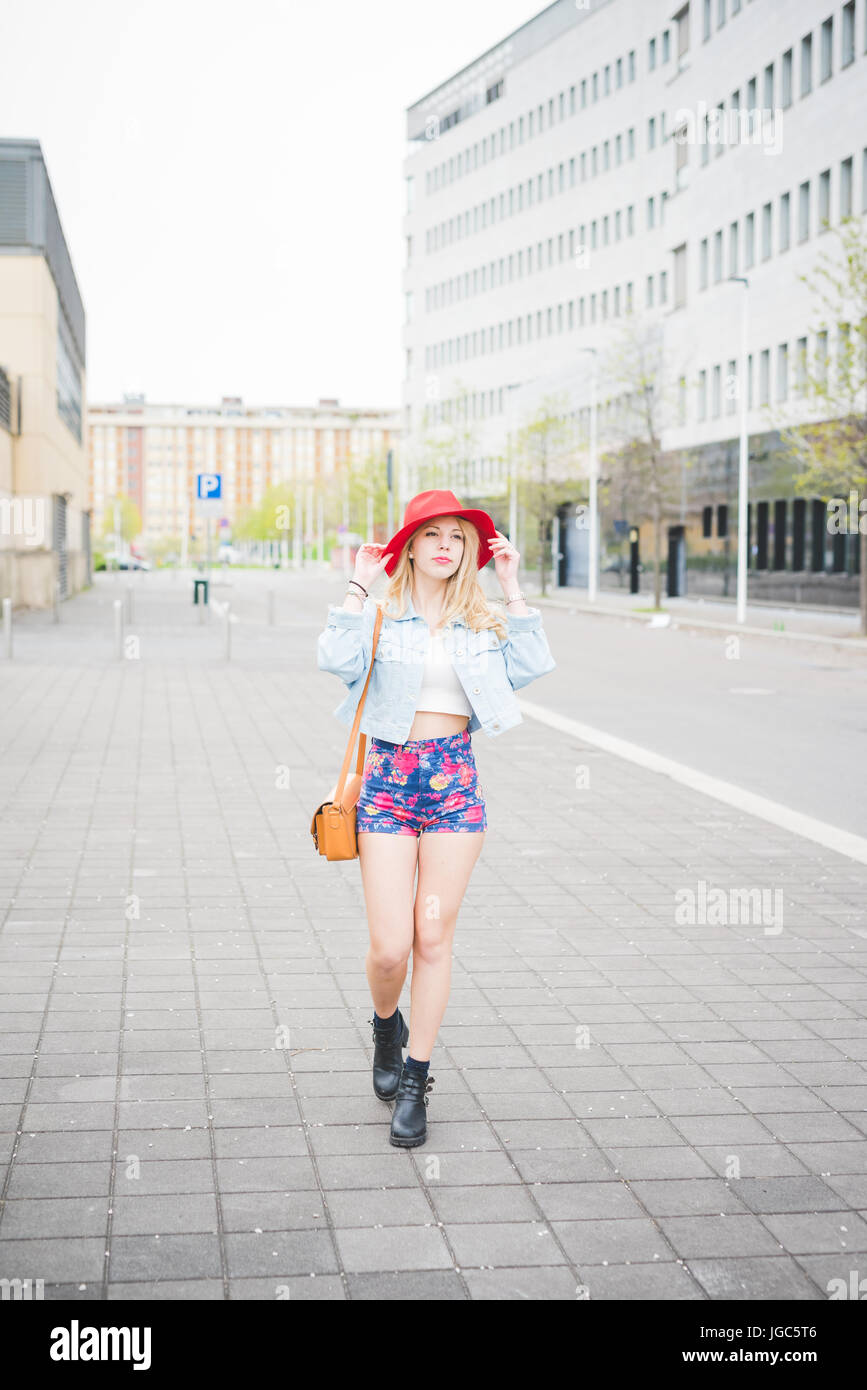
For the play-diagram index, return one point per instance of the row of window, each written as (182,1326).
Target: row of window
(565,246)
(601,83)
(511,201)
(711,250)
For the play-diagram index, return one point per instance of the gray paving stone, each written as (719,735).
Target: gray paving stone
(372,1250)
(407,1286)
(705,1046)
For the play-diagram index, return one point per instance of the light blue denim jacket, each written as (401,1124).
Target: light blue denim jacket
(490,670)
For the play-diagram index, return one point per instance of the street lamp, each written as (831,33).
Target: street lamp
(743,463)
(593,548)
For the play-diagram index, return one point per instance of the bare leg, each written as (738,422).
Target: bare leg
(388,865)
(445,862)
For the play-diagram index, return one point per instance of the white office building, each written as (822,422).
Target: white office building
(634,155)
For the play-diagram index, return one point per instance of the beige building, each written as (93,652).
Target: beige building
(153,453)
(44,519)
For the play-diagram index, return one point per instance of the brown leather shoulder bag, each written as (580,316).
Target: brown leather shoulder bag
(333,823)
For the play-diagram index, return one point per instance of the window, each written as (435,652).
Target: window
(619,72)
(784,222)
(783,372)
(666,45)
(801,367)
(680,276)
(722,521)
(651,133)
(648,298)
(618,149)
(583,92)
(731,387)
(716,393)
(706,522)
(847,54)
(630,139)
(701,400)
(824,199)
(762,534)
(780,534)
(765,376)
(769,88)
(663,287)
(786,79)
(68,381)
(595,86)
(706,25)
(651,55)
(650,213)
(410,193)
(799,533)
(846,188)
(720,13)
(750,241)
(630,220)
(681,401)
(607,79)
(822,356)
(766,232)
(717,257)
(826,58)
(681,19)
(733,249)
(804,211)
(632,65)
(806,65)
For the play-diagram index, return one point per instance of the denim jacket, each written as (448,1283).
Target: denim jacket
(490,670)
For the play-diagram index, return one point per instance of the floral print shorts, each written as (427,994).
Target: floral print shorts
(428,785)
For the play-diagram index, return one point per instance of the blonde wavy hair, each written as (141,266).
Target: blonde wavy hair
(465,598)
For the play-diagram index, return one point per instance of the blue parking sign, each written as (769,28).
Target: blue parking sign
(209,486)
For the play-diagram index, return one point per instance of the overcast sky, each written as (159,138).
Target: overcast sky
(229,179)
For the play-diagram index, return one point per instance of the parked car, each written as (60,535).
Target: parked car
(125,562)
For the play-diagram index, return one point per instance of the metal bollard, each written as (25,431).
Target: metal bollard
(227,619)
(118,628)
(56,603)
(271,601)
(7,627)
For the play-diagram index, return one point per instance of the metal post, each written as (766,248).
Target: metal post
(7,627)
(743,463)
(271,597)
(593,548)
(118,627)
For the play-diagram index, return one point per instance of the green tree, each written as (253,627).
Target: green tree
(122,519)
(831,451)
(544,457)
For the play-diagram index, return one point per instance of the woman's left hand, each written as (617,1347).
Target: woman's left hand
(506,560)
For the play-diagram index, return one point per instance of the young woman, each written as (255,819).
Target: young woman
(446,664)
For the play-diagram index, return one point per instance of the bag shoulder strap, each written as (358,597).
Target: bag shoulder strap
(356,724)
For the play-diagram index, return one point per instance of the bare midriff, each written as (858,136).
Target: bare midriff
(429,724)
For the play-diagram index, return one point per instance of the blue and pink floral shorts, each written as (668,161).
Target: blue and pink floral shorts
(428,785)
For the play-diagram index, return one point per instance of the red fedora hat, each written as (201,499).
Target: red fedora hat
(426,507)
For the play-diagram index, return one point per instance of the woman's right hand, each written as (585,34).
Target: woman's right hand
(370,561)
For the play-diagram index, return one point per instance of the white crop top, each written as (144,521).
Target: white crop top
(441,691)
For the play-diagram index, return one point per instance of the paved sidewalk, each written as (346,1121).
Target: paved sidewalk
(627,1105)
(824,625)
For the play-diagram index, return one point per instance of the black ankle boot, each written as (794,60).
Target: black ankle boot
(388,1058)
(409,1117)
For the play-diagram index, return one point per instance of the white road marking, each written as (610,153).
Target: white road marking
(841,841)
